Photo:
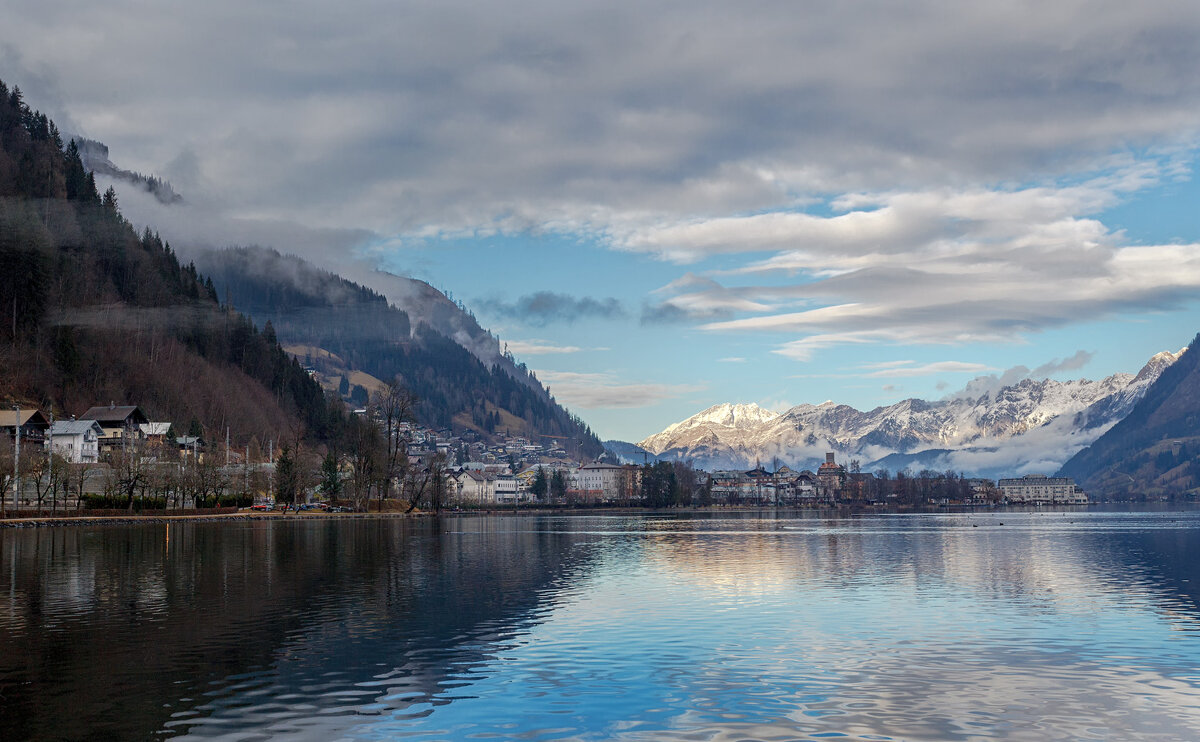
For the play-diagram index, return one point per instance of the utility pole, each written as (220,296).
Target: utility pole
(17,457)
(50,460)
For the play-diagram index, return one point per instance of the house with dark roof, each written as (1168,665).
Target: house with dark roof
(121,424)
(32,423)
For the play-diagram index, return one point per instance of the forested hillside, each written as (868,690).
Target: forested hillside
(1155,450)
(311,307)
(96,313)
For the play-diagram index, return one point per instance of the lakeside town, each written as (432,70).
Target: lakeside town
(114,457)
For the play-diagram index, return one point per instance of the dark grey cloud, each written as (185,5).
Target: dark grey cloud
(406,116)
(683,130)
(546,307)
(667,313)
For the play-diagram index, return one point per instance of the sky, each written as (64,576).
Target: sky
(664,206)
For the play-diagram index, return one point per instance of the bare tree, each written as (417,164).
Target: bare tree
(78,478)
(366,452)
(46,471)
(395,405)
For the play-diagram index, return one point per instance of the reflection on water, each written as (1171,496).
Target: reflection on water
(1030,626)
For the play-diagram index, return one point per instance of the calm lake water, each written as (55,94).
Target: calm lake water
(1023,626)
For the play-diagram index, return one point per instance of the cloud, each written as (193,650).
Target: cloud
(929,369)
(916,184)
(732,359)
(992,383)
(1074,363)
(607,117)
(538,348)
(695,298)
(603,391)
(988,266)
(546,307)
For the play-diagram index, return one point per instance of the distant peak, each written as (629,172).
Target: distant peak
(1158,362)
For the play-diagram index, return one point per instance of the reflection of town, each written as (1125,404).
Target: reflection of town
(144,616)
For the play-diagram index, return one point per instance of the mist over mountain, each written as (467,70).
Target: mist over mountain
(94,156)
(100,313)
(439,351)
(1028,426)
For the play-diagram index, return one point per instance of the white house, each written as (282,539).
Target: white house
(606,482)
(77,441)
(486,488)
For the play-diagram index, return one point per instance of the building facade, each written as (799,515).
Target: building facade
(1039,489)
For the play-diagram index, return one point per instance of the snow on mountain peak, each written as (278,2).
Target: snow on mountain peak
(720,416)
(1068,414)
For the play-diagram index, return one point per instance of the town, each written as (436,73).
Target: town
(114,457)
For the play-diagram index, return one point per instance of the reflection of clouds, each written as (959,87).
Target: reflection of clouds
(930,693)
(1045,562)
(895,627)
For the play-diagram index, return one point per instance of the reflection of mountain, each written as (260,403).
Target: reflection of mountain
(105,630)
(1059,561)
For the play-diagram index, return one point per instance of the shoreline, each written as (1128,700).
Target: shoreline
(242,516)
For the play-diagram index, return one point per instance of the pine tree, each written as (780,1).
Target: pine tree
(331,480)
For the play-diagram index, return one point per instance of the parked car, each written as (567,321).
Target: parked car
(260,508)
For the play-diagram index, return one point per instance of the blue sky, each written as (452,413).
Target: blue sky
(663,207)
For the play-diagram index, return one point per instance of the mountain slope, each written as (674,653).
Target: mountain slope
(1029,425)
(1153,450)
(441,353)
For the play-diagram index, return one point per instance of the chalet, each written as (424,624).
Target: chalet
(29,420)
(154,432)
(120,424)
(77,441)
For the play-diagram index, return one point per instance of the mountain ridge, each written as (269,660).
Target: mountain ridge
(971,433)
(439,351)
(1152,451)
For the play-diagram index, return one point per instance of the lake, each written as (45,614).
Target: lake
(1043,625)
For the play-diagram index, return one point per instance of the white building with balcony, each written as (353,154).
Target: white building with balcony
(77,441)
(1039,489)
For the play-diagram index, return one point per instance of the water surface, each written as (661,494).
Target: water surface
(1025,626)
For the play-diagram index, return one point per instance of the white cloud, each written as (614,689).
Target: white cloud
(603,391)
(929,369)
(538,347)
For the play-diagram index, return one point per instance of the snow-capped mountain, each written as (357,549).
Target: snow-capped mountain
(723,424)
(1028,426)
